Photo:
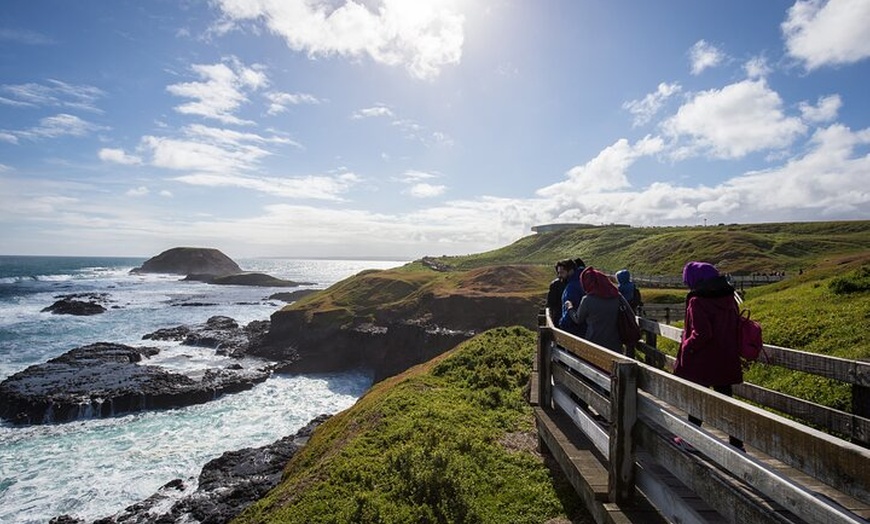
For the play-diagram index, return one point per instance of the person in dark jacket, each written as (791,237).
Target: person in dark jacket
(572,294)
(598,309)
(628,289)
(709,352)
(554,296)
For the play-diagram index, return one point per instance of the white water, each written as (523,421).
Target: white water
(95,468)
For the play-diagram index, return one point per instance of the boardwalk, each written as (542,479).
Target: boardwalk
(609,421)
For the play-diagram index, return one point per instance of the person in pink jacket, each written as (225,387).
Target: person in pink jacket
(709,351)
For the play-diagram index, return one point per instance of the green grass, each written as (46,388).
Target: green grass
(734,248)
(449,441)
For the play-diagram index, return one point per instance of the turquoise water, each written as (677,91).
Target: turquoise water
(95,468)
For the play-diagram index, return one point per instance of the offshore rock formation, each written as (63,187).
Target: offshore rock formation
(190,260)
(104,379)
(246,279)
(227,485)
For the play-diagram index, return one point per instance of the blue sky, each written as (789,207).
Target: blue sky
(427,127)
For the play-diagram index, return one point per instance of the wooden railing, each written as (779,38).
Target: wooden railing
(628,412)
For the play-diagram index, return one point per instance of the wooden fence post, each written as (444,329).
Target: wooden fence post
(623,414)
(861,401)
(545,340)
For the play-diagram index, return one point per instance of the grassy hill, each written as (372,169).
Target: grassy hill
(736,249)
(452,440)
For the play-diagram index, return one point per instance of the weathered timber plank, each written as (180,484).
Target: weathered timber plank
(845,370)
(592,353)
(623,413)
(855,427)
(584,470)
(583,420)
(533,388)
(586,393)
(785,491)
(586,473)
(670,503)
(703,478)
(596,376)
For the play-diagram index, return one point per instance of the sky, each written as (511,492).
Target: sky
(400,128)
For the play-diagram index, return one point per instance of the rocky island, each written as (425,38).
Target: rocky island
(211,266)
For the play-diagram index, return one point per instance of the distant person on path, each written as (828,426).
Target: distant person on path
(572,294)
(709,352)
(598,309)
(628,289)
(554,296)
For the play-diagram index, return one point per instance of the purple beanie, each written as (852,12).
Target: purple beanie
(696,272)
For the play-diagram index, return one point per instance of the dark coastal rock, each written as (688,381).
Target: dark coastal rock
(188,260)
(104,379)
(256,279)
(386,350)
(292,296)
(221,333)
(246,278)
(81,304)
(227,485)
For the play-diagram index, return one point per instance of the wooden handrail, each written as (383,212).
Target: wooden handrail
(643,405)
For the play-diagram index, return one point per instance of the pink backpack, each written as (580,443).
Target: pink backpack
(749,336)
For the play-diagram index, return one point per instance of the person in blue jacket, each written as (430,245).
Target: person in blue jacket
(628,289)
(572,294)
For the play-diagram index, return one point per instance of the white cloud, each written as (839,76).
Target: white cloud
(194,155)
(824,111)
(424,35)
(371,112)
(311,187)
(734,121)
(231,137)
(424,190)
(413,175)
(223,90)
(54,93)
(756,68)
(25,37)
(704,55)
(8,137)
(138,192)
(827,33)
(118,156)
(166,193)
(280,101)
(647,107)
(606,172)
(60,125)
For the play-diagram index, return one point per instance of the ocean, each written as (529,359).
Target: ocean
(94,468)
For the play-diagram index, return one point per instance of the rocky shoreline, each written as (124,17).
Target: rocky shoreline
(225,486)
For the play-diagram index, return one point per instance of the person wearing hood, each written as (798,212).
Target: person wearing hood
(598,309)
(709,350)
(572,294)
(628,289)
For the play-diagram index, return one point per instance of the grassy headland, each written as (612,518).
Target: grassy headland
(452,440)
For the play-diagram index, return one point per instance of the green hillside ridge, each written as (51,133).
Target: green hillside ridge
(452,440)
(736,249)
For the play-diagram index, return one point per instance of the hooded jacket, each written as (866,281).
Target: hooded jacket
(627,288)
(708,353)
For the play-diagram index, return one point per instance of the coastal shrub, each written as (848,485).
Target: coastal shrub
(429,446)
(854,282)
